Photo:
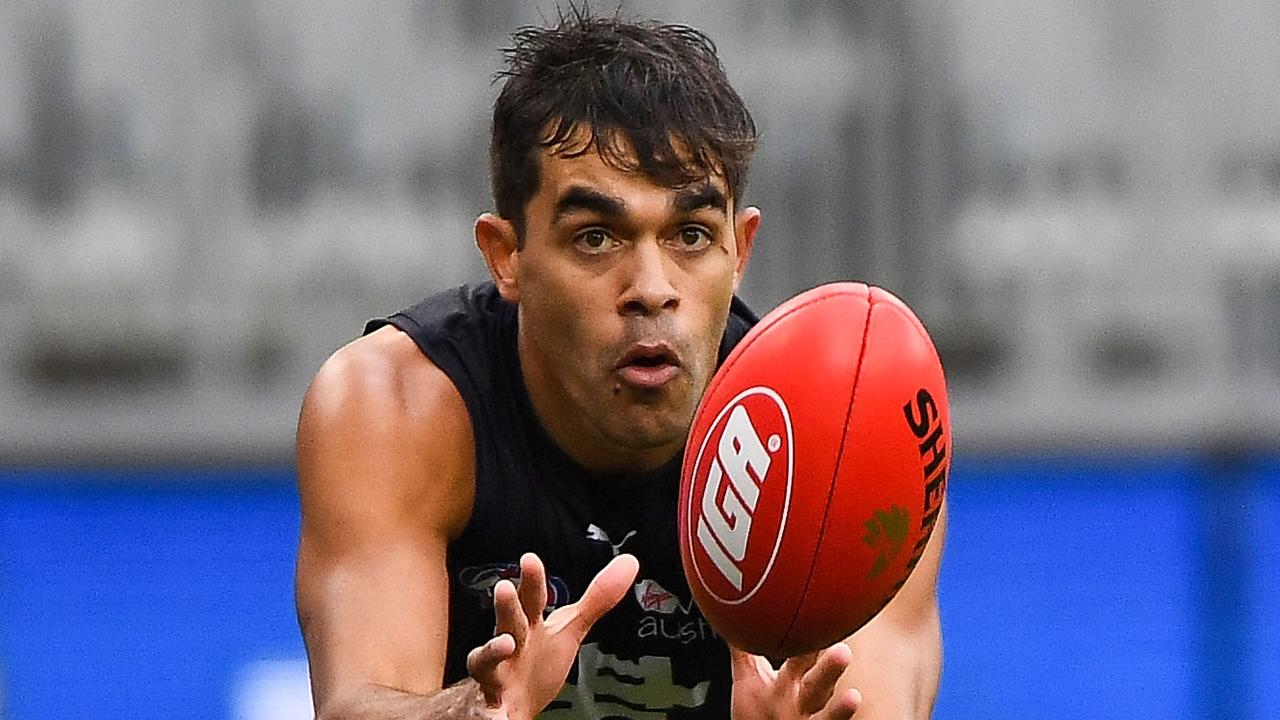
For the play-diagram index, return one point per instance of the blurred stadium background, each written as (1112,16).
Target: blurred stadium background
(200,200)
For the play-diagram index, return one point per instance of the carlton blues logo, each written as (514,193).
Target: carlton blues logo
(481,579)
(740,494)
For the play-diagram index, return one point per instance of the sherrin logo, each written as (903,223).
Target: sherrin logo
(741,494)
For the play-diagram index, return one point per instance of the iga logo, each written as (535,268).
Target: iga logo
(746,456)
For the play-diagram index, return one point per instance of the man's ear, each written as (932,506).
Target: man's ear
(745,223)
(496,238)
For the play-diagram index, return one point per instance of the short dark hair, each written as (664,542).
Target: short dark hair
(659,87)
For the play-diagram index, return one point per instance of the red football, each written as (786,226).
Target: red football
(814,470)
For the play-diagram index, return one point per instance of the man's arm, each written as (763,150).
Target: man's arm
(897,657)
(386,478)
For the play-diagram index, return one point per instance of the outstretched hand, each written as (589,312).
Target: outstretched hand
(804,687)
(526,663)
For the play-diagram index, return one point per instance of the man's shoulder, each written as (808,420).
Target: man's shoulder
(382,379)
(382,427)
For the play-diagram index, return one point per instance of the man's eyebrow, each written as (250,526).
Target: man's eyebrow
(698,197)
(583,198)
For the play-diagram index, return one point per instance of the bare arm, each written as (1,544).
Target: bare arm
(385,473)
(897,657)
(386,476)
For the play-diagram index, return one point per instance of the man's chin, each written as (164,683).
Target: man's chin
(644,435)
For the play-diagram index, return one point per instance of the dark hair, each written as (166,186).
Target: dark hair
(661,88)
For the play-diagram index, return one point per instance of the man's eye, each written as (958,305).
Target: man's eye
(694,238)
(594,240)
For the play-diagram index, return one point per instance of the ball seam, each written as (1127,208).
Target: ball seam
(826,511)
(722,371)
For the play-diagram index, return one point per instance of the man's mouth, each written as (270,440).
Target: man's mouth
(648,365)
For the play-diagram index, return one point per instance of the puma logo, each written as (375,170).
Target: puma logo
(597,533)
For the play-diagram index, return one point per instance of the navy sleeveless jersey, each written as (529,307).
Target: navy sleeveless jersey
(654,655)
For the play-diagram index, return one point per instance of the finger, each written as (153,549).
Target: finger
(819,682)
(608,587)
(508,615)
(842,707)
(795,667)
(533,587)
(749,668)
(483,663)
(483,660)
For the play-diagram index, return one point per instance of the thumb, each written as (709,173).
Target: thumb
(608,587)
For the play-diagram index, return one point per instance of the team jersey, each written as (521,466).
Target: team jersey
(654,655)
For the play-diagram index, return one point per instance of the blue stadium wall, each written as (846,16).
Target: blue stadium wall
(1114,587)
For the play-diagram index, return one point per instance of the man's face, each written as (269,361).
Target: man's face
(624,288)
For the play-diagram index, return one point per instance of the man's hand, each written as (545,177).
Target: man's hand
(803,687)
(524,666)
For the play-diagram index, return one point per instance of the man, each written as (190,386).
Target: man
(464,442)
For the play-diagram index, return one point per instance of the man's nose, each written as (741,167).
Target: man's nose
(649,288)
